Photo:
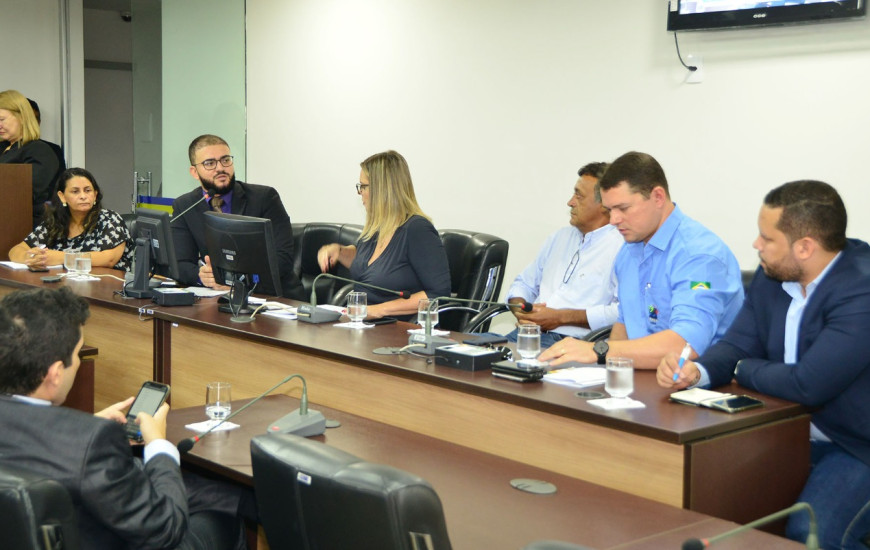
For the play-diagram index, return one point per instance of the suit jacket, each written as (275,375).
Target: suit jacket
(45,169)
(188,233)
(120,503)
(833,368)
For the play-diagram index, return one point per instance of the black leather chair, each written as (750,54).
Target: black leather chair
(36,513)
(313,496)
(477,264)
(307,240)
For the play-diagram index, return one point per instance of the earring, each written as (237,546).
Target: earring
(64,204)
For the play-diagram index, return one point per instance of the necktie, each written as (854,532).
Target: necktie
(217,203)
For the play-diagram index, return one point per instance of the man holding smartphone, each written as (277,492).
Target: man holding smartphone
(802,335)
(120,503)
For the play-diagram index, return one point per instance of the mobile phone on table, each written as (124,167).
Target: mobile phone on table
(381,321)
(735,403)
(518,372)
(485,340)
(151,396)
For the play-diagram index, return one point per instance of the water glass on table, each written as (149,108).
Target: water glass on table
(620,377)
(528,341)
(427,309)
(218,400)
(69,261)
(357,308)
(83,264)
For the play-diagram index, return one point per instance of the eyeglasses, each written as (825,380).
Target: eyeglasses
(211,164)
(571,267)
(360,187)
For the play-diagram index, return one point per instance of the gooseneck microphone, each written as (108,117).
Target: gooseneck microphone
(205,197)
(310,313)
(812,536)
(186,445)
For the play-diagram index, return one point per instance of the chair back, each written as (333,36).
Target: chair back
(477,265)
(313,496)
(36,513)
(307,240)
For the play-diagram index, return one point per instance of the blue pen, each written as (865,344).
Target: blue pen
(687,350)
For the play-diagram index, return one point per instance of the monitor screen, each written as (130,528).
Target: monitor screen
(684,15)
(155,250)
(243,247)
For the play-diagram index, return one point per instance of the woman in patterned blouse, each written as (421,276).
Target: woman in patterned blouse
(75,219)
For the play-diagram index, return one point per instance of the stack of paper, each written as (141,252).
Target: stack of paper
(577,376)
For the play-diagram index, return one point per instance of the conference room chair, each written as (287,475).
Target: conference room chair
(313,496)
(307,240)
(36,513)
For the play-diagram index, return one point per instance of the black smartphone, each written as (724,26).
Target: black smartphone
(735,404)
(50,278)
(518,372)
(151,396)
(485,340)
(37,269)
(381,321)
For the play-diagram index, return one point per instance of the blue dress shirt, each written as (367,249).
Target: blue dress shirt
(574,270)
(684,279)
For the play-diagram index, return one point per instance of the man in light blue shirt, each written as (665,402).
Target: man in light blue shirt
(678,282)
(571,283)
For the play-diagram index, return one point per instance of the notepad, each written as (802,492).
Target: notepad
(698,396)
(578,376)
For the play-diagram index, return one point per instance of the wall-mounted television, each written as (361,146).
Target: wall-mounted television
(694,15)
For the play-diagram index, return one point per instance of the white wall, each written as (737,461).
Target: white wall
(497,103)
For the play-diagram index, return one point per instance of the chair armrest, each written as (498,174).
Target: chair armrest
(482,317)
(602,333)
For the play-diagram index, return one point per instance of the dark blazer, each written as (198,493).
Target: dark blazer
(46,168)
(260,201)
(119,503)
(833,368)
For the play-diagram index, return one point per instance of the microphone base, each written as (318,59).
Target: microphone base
(313,423)
(430,343)
(313,314)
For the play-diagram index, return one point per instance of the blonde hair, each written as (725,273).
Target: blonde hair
(391,194)
(14,102)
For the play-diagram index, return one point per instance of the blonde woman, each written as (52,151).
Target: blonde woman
(20,144)
(399,247)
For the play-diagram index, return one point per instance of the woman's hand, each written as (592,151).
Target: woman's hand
(328,256)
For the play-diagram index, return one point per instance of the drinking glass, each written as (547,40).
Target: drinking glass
(357,308)
(427,309)
(217,400)
(620,377)
(83,264)
(69,261)
(528,341)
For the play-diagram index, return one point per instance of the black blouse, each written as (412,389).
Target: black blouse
(109,232)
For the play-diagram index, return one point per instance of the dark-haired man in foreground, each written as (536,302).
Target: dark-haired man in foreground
(120,503)
(803,334)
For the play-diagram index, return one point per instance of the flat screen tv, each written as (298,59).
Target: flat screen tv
(694,15)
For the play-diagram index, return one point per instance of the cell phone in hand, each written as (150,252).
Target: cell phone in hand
(151,396)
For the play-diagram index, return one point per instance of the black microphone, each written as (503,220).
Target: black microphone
(812,537)
(310,313)
(186,445)
(205,197)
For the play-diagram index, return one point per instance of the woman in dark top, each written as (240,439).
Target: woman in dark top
(75,219)
(20,144)
(399,247)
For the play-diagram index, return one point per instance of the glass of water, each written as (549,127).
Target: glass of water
(528,341)
(69,261)
(357,308)
(427,309)
(217,400)
(83,264)
(620,377)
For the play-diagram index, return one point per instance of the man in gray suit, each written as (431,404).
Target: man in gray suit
(121,502)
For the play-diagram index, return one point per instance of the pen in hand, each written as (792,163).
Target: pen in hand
(687,350)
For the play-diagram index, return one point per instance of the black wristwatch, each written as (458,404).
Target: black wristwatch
(601,348)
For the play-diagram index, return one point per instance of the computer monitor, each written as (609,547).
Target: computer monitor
(242,253)
(154,250)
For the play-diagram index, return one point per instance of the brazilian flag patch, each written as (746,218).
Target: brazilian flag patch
(700,285)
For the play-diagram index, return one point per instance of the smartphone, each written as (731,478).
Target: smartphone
(735,404)
(151,396)
(485,340)
(37,269)
(517,372)
(381,321)
(50,278)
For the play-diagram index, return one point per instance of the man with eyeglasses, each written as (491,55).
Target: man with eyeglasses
(571,283)
(211,164)
(679,283)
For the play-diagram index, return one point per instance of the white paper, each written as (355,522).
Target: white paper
(435,332)
(16,265)
(578,376)
(205,292)
(350,325)
(206,425)
(614,404)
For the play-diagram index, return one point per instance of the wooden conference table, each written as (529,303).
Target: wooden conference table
(481,508)
(737,467)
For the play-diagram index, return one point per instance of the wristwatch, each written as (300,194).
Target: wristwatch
(601,348)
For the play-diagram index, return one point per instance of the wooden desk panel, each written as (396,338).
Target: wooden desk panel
(481,508)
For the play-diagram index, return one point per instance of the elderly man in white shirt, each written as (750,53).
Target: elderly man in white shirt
(571,283)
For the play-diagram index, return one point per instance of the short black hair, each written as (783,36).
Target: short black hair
(810,208)
(594,169)
(640,171)
(37,328)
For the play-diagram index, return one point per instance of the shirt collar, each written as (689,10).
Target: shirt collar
(31,400)
(665,233)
